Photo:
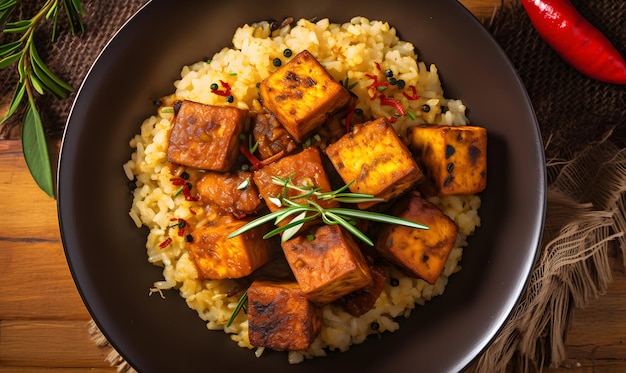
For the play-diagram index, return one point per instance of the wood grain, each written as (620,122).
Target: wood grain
(43,322)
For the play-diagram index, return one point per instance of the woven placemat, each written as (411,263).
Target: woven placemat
(583,124)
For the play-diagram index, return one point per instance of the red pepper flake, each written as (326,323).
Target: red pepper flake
(387,101)
(413,96)
(192,212)
(378,66)
(349,116)
(165,243)
(177,181)
(239,215)
(187,193)
(256,163)
(225,92)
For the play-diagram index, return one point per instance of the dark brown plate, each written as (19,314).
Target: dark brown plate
(107,255)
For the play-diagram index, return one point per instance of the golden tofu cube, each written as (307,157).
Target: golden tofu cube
(305,169)
(328,264)
(235,193)
(422,252)
(206,136)
(302,94)
(218,257)
(454,158)
(281,317)
(375,160)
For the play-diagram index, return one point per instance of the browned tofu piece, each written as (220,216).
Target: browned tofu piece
(218,257)
(271,136)
(206,136)
(454,158)
(327,265)
(302,94)
(362,300)
(280,317)
(235,193)
(421,252)
(307,170)
(376,160)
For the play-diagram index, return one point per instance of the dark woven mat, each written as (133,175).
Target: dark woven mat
(572,110)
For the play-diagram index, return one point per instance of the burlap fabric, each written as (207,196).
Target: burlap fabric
(583,125)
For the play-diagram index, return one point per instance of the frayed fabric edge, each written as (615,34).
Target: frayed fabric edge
(114,359)
(573,267)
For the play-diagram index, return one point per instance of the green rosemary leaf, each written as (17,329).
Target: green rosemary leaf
(240,304)
(6,5)
(290,211)
(291,224)
(48,83)
(62,86)
(351,228)
(376,216)
(20,89)
(18,27)
(74,11)
(9,60)
(10,48)
(36,83)
(292,230)
(54,12)
(35,149)
(256,223)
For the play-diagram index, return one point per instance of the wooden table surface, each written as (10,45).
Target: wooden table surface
(43,322)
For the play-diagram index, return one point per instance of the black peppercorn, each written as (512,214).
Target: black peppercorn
(425,108)
(277,62)
(394,281)
(214,86)
(388,73)
(230,99)
(287,53)
(401,84)
(188,238)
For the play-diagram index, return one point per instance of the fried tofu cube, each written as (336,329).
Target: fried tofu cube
(454,158)
(375,160)
(302,94)
(327,265)
(206,136)
(218,257)
(281,317)
(305,170)
(421,252)
(235,193)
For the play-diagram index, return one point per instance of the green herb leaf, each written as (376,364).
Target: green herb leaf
(240,304)
(9,60)
(18,27)
(35,149)
(16,101)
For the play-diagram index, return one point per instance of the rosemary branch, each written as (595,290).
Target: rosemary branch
(310,210)
(35,78)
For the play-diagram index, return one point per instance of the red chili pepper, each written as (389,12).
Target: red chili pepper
(384,100)
(165,243)
(576,40)
(226,92)
(413,96)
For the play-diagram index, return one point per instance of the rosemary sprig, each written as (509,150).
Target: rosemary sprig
(310,210)
(35,79)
